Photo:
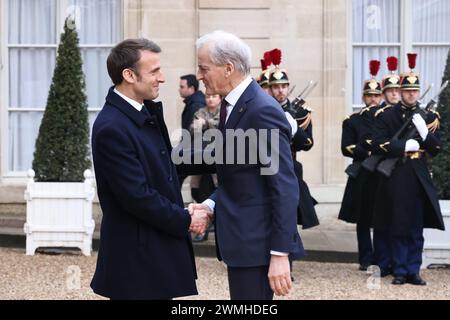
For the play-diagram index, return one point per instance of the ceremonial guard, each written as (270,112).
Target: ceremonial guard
(264,77)
(406,136)
(302,137)
(356,143)
(381,237)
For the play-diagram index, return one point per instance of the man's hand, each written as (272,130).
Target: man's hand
(198,124)
(421,126)
(201,217)
(280,275)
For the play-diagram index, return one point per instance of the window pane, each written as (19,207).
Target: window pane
(361,58)
(99,21)
(430,65)
(32,21)
(23,131)
(431,20)
(97,79)
(376,21)
(30,76)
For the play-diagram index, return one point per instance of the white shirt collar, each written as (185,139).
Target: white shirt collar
(133,103)
(233,97)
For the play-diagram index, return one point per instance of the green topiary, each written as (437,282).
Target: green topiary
(62,152)
(441,164)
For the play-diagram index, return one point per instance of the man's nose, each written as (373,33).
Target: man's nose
(162,78)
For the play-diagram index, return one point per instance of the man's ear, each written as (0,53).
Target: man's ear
(229,69)
(129,76)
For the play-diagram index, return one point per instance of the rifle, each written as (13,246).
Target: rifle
(291,90)
(299,101)
(372,162)
(353,169)
(387,166)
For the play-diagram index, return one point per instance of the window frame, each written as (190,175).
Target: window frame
(406,45)
(7,175)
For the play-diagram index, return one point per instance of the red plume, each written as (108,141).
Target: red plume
(263,65)
(412,58)
(275,54)
(374,67)
(392,63)
(267,58)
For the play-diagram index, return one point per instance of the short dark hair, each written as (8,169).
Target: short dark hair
(126,55)
(191,80)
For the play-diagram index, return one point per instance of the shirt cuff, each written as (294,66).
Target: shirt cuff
(210,203)
(279,254)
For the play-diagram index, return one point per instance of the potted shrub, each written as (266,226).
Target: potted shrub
(437,243)
(59,192)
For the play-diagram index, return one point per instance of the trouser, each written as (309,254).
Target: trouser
(365,249)
(382,248)
(249,283)
(407,250)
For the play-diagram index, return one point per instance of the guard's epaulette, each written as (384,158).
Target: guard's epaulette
(382,110)
(364,110)
(351,115)
(436,113)
(436,124)
(305,121)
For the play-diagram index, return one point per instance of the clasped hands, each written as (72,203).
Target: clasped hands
(201,216)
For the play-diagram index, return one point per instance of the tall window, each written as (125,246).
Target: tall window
(381,28)
(34,28)
(431,39)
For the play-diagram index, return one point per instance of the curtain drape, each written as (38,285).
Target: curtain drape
(33,22)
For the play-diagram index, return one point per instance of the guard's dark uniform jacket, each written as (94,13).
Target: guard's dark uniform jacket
(356,143)
(303,141)
(379,202)
(410,180)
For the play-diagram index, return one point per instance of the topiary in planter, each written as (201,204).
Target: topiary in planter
(62,152)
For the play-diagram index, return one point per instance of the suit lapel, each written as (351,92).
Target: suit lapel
(156,110)
(241,106)
(235,116)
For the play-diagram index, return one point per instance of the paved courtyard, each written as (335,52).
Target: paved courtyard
(67,276)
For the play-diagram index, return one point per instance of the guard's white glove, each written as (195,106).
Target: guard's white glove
(292,122)
(412,146)
(421,126)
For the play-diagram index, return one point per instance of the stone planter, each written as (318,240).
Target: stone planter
(59,214)
(437,243)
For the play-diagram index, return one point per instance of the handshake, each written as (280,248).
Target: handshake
(201,216)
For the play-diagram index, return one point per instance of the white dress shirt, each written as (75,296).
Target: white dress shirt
(232,98)
(134,103)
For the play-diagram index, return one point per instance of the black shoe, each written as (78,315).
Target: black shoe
(416,280)
(385,272)
(399,280)
(363,267)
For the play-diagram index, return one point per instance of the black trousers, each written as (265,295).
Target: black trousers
(249,283)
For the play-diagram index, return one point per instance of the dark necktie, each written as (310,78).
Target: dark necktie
(223,114)
(144,111)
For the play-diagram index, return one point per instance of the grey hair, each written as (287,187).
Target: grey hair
(227,48)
